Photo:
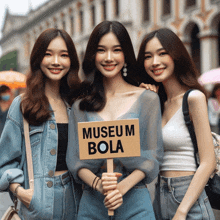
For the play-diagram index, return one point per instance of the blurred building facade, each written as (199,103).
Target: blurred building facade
(197,23)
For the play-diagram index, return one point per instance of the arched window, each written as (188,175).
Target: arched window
(190,3)
(166,7)
(93,15)
(104,10)
(146,11)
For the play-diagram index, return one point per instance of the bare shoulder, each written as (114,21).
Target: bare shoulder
(197,101)
(196,96)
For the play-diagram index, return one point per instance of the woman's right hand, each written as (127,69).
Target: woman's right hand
(109,181)
(25,196)
(150,87)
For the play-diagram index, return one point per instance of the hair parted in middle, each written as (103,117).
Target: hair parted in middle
(184,68)
(94,97)
(35,104)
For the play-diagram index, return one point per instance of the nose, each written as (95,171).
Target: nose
(156,61)
(109,56)
(55,60)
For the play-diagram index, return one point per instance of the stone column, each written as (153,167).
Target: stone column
(209,52)
(110,9)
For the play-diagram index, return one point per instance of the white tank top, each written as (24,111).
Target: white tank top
(178,147)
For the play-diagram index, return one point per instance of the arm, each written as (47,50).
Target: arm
(199,116)
(72,157)
(11,142)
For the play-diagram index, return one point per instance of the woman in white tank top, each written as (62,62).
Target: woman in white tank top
(169,70)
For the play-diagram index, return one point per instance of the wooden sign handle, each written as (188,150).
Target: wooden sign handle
(110,169)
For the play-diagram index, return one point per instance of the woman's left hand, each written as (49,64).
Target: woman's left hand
(113,200)
(149,87)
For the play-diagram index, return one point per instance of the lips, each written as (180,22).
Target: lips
(55,70)
(109,67)
(158,71)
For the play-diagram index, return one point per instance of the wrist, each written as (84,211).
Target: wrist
(181,211)
(99,186)
(122,189)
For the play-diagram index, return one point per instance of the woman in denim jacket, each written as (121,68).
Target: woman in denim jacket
(54,71)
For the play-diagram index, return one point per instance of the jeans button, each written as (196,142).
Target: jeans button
(49,184)
(51,173)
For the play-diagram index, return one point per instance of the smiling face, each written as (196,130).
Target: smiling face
(109,58)
(158,63)
(56,62)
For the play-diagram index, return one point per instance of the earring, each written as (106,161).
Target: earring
(125,70)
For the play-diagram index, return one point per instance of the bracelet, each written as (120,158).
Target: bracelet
(97,183)
(16,189)
(94,181)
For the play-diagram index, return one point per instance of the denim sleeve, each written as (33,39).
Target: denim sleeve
(10,148)
(73,161)
(150,139)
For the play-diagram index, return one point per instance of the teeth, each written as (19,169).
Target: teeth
(55,70)
(158,71)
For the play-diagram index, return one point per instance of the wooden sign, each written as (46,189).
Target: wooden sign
(109,139)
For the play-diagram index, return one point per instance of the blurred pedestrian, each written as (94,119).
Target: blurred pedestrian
(214,108)
(6,98)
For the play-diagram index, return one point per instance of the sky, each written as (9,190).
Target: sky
(20,7)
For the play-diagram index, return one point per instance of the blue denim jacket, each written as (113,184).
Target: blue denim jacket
(13,166)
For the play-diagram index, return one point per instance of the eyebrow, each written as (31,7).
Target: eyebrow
(60,51)
(158,50)
(113,46)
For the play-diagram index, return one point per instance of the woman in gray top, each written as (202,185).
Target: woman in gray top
(110,94)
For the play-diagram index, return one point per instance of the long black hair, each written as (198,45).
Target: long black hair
(184,68)
(35,103)
(93,91)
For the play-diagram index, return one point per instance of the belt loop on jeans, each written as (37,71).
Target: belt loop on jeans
(169,184)
(65,175)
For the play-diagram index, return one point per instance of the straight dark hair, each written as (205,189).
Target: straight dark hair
(35,103)
(184,68)
(93,91)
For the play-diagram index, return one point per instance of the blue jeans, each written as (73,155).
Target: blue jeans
(136,206)
(65,207)
(169,194)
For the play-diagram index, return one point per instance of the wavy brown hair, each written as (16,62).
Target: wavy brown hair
(35,104)
(184,68)
(94,96)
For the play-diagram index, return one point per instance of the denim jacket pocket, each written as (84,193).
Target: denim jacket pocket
(35,133)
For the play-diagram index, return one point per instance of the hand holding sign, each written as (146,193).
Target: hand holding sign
(109,181)
(113,197)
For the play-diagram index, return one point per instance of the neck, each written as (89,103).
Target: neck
(115,85)
(173,89)
(52,90)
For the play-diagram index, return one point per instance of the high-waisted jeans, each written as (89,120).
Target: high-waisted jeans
(65,206)
(136,206)
(169,194)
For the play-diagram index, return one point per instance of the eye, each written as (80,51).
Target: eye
(118,49)
(163,53)
(147,57)
(100,50)
(65,55)
(47,54)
